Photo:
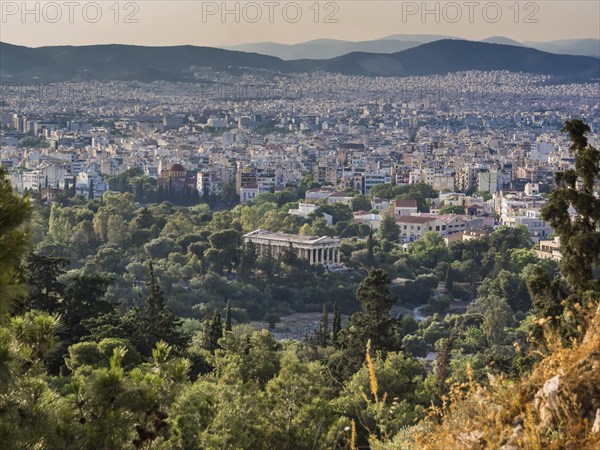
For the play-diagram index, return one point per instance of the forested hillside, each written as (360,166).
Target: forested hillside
(128,323)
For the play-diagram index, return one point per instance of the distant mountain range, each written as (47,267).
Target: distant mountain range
(128,62)
(446,56)
(332,48)
(121,62)
(325,48)
(586,47)
(507,41)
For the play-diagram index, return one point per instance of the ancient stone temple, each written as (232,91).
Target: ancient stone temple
(317,250)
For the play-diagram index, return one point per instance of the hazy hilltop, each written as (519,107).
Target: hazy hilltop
(121,62)
(127,62)
(502,40)
(441,57)
(586,47)
(325,48)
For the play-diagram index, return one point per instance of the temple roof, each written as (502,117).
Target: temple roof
(293,238)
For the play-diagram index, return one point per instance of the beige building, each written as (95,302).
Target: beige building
(405,207)
(415,227)
(340,197)
(549,249)
(317,250)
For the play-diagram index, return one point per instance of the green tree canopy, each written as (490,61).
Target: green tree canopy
(388,230)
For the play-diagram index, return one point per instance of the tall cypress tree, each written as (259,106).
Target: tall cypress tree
(449,284)
(370,245)
(214,332)
(228,316)
(323,331)
(442,369)
(248,260)
(155,301)
(268,262)
(336,325)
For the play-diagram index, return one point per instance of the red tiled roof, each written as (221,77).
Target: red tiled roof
(414,219)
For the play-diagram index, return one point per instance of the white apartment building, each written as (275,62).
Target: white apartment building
(373,179)
(318,193)
(487,181)
(50,174)
(208,183)
(538,229)
(340,197)
(373,220)
(439,180)
(304,209)
(510,203)
(541,150)
(248,193)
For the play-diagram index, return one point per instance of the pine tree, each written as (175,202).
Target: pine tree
(84,300)
(373,324)
(14,211)
(580,237)
(154,323)
(373,294)
(41,274)
(579,240)
(91,190)
(389,230)
(228,316)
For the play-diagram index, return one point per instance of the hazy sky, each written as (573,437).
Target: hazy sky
(154,22)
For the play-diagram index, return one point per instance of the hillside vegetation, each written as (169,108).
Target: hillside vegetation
(142,337)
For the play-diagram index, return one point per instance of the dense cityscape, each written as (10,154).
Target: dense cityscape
(488,143)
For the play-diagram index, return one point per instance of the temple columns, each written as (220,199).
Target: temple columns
(325,254)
